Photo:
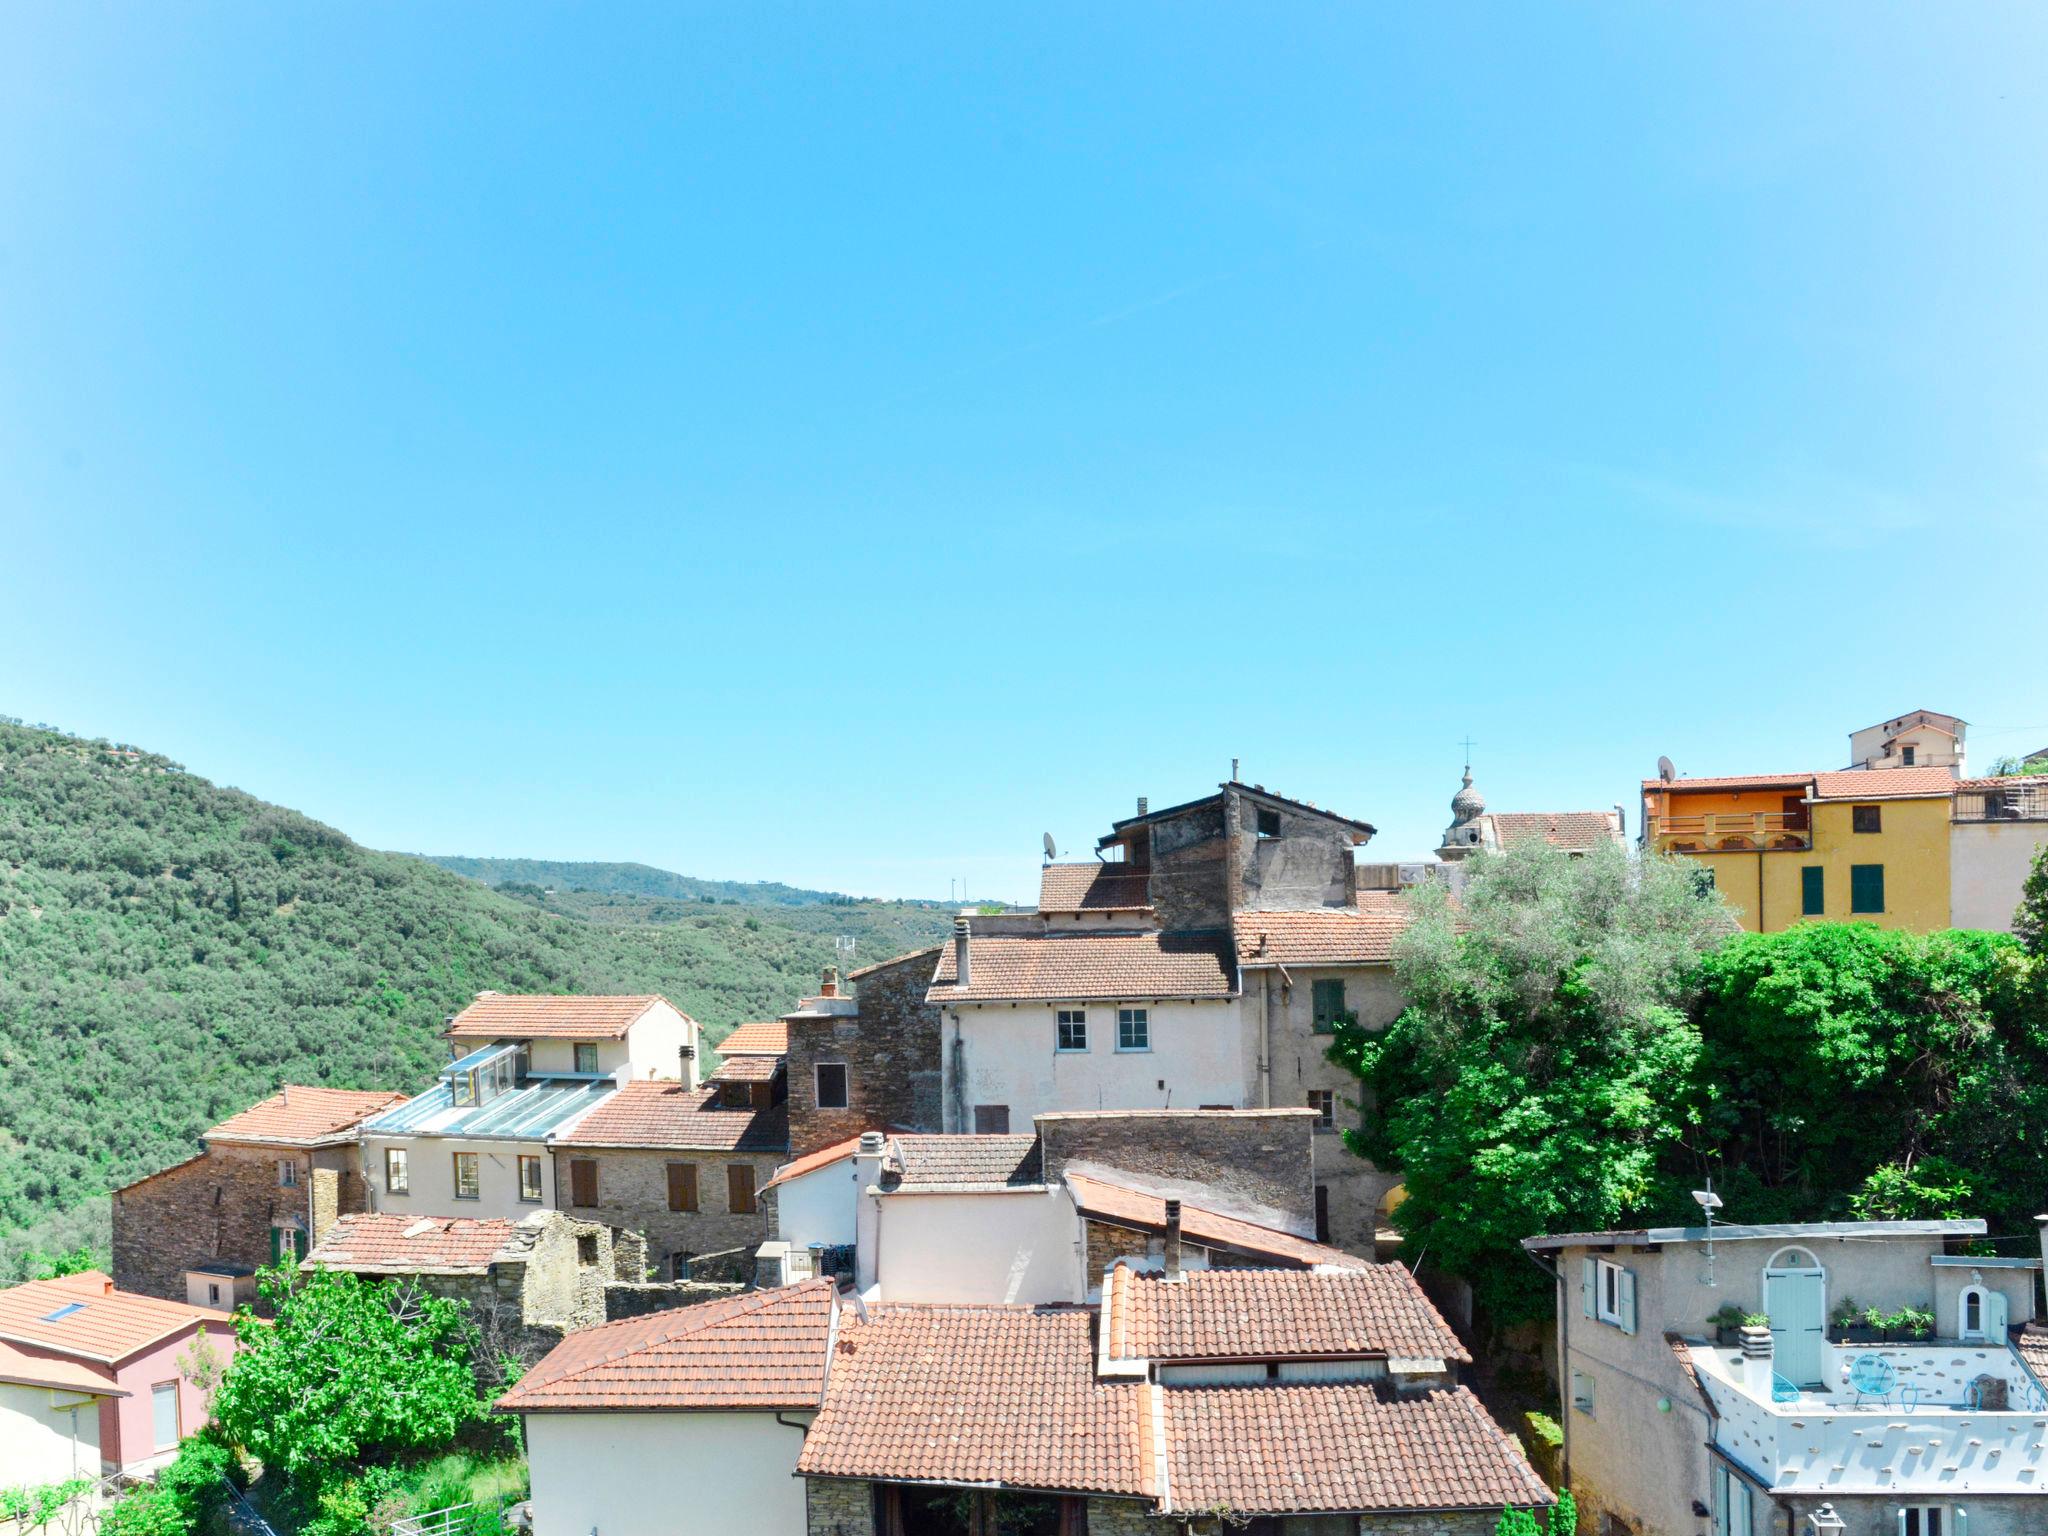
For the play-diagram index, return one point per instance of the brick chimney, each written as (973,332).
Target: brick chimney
(1173,1240)
(960,977)
(829,985)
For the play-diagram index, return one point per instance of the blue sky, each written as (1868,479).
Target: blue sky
(838,443)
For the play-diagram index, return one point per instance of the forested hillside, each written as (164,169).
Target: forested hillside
(644,880)
(171,950)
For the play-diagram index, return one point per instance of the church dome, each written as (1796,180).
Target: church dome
(1467,804)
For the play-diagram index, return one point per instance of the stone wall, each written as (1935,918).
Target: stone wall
(838,1507)
(632,1194)
(1190,877)
(1107,1244)
(623,1300)
(1261,1161)
(891,1052)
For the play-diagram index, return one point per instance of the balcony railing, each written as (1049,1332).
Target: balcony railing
(1731,831)
(2009,802)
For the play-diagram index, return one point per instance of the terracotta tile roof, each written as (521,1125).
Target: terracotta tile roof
(101,1324)
(1361,935)
(1280,1449)
(1683,1353)
(2005,781)
(386,1243)
(2031,1341)
(747,1069)
(977,1394)
(1086,966)
(956,1160)
(1885,784)
(811,1162)
(759,1350)
(1092,887)
(1122,1205)
(1559,829)
(40,1368)
(519,1016)
(1220,1314)
(1734,781)
(302,1116)
(667,1114)
(763,1037)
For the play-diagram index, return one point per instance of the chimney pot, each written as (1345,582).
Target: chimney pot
(1173,1239)
(960,947)
(828,986)
(1144,805)
(871,1143)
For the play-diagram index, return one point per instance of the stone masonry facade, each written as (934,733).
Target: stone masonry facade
(1261,1160)
(632,1193)
(220,1208)
(890,1049)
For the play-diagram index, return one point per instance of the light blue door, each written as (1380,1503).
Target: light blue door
(1796,1300)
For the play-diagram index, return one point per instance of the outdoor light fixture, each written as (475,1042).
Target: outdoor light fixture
(1825,1522)
(1710,1203)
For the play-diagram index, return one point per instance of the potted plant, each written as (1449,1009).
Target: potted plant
(1877,1323)
(1850,1322)
(1916,1322)
(1727,1321)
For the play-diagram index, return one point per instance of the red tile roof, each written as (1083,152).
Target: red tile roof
(1559,829)
(1092,887)
(1220,1314)
(40,1368)
(759,1350)
(1087,966)
(977,1394)
(384,1243)
(1361,935)
(667,1114)
(1122,1205)
(2006,781)
(107,1325)
(811,1162)
(510,1016)
(747,1069)
(1885,784)
(301,1116)
(763,1037)
(1279,1449)
(1734,781)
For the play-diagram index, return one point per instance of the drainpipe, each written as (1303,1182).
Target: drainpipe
(1265,1039)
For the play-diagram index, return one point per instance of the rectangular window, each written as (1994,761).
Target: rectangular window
(739,1189)
(467,1185)
(991,1119)
(1866,887)
(1924,1520)
(1322,1213)
(1269,822)
(287,1174)
(682,1186)
(287,1245)
(1812,891)
(831,1084)
(394,1171)
(583,1182)
(1611,1294)
(163,1413)
(1133,1029)
(1071,1030)
(1582,1392)
(1324,1103)
(586,1059)
(212,1294)
(1329,1005)
(1866,818)
(1906,755)
(529,1179)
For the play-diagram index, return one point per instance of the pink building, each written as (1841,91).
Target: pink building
(131,1343)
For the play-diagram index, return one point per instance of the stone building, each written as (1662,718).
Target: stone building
(868,1061)
(269,1183)
(1474,829)
(685,1167)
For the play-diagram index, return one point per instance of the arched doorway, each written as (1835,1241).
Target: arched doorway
(1796,1300)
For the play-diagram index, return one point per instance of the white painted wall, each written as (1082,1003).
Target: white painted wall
(665,1474)
(1199,1050)
(43,1439)
(818,1207)
(992,1246)
(432,1177)
(1988,863)
(652,1048)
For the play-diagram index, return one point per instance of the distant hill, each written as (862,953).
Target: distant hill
(643,880)
(171,950)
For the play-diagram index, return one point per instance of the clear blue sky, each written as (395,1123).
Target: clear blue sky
(838,443)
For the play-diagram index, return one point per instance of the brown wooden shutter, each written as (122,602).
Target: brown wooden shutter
(583,1181)
(682,1186)
(739,1189)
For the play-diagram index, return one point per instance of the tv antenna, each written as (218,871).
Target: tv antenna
(1051,849)
(843,947)
(1710,1203)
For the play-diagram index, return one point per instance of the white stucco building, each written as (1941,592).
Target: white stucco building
(1995,831)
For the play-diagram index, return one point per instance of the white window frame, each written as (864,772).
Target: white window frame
(1063,1020)
(1141,1018)
(1607,1284)
(1945,1520)
(395,1158)
(476,1175)
(1963,1329)
(845,1085)
(287,1173)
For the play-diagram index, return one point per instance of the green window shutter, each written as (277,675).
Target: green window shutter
(1329,1004)
(1866,887)
(1589,1278)
(1626,1296)
(1813,891)
(276,1249)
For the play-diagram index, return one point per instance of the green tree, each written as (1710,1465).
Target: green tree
(2030,921)
(349,1372)
(37,1265)
(1536,1079)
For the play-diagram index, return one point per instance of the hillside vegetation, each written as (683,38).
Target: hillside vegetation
(171,950)
(644,880)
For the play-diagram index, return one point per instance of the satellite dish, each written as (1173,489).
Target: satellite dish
(1051,849)
(1665,771)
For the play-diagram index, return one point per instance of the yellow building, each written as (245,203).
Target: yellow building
(1850,846)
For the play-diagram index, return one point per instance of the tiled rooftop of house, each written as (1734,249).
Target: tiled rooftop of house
(1360,935)
(747,1069)
(25,1367)
(761,1350)
(1835,784)
(1092,887)
(811,1162)
(668,1114)
(1376,1309)
(1110,966)
(83,1316)
(1126,1206)
(964,1160)
(384,1243)
(1575,830)
(519,1016)
(764,1037)
(1340,1447)
(978,1394)
(302,1117)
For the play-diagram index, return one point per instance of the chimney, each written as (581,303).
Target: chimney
(960,952)
(2041,1226)
(1144,806)
(867,1214)
(1173,1239)
(829,986)
(1233,770)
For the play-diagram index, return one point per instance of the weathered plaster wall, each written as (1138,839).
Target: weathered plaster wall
(1988,863)
(661,1474)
